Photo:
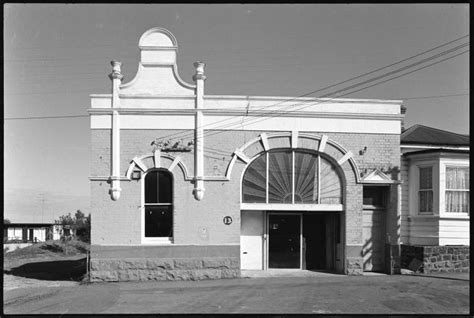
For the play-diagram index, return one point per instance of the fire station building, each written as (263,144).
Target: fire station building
(193,186)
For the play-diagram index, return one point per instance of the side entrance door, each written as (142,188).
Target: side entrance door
(374,240)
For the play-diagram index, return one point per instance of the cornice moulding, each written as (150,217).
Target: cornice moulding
(243,112)
(260,98)
(290,99)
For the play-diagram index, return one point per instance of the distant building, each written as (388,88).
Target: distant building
(193,186)
(30,232)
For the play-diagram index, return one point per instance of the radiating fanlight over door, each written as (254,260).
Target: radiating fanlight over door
(330,184)
(306,178)
(254,182)
(293,177)
(279,177)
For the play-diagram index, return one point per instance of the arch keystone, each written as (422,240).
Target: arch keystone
(294,139)
(322,144)
(346,157)
(140,164)
(242,156)
(264,139)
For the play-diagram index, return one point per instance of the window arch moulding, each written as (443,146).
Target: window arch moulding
(155,161)
(292,140)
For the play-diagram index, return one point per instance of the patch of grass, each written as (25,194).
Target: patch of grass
(49,249)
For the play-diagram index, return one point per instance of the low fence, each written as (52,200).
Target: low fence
(432,259)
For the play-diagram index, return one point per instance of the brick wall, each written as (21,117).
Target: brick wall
(200,222)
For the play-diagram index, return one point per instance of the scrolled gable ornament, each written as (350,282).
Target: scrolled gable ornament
(172,146)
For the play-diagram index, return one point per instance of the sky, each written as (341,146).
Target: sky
(56,55)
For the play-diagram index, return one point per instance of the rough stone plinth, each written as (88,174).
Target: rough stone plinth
(140,269)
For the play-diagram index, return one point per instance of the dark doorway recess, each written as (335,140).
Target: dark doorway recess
(284,242)
(320,235)
(314,233)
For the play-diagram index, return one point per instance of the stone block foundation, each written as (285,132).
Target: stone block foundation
(435,259)
(355,266)
(164,269)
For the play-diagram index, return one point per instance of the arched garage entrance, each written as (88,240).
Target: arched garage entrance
(294,201)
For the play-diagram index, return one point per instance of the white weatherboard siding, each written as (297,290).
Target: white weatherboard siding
(404,228)
(424,230)
(453,231)
(251,240)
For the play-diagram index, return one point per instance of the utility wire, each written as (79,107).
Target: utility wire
(217,151)
(130,56)
(436,96)
(355,85)
(220,152)
(427,59)
(335,92)
(272,115)
(46,117)
(339,83)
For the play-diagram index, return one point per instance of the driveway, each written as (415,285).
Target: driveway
(376,294)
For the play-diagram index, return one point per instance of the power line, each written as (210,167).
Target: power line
(340,90)
(217,150)
(339,83)
(359,76)
(278,115)
(355,85)
(402,98)
(46,117)
(436,96)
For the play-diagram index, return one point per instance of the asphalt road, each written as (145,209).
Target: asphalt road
(402,294)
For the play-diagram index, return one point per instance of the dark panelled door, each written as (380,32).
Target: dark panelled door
(284,241)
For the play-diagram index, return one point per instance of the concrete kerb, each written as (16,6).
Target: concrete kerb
(289,273)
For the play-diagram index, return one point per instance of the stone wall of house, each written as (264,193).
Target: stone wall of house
(433,259)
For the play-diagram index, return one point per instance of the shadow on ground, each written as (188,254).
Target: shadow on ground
(53,270)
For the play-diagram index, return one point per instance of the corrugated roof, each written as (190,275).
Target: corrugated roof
(419,134)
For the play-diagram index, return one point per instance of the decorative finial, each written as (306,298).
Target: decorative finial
(403,109)
(199,71)
(116,70)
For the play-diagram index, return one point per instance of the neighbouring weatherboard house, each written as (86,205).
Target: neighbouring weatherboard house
(435,200)
(192,186)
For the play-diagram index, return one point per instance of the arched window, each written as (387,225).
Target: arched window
(291,177)
(158,204)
